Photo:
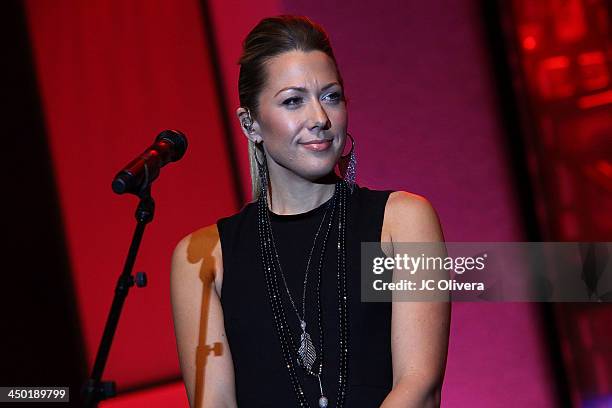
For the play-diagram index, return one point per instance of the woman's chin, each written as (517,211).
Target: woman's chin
(325,174)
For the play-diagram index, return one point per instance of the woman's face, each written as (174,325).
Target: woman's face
(302,116)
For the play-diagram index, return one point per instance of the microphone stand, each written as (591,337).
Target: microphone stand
(95,390)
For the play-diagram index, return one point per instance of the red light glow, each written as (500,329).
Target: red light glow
(591,101)
(529,43)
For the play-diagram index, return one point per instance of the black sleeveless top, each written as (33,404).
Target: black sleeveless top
(261,376)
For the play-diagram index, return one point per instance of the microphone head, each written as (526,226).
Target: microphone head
(178,141)
(120,183)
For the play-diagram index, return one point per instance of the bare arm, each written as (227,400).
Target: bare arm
(419,330)
(195,282)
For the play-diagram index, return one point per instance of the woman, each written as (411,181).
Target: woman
(266,303)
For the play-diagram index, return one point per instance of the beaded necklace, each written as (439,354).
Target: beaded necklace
(306,354)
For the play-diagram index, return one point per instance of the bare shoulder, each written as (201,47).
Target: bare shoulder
(197,313)
(410,217)
(419,330)
(198,257)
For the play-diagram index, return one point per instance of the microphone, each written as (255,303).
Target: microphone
(137,175)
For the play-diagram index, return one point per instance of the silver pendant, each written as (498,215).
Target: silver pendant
(323,401)
(306,352)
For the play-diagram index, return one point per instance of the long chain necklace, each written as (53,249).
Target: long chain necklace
(306,352)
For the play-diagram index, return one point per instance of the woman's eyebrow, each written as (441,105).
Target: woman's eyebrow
(301,89)
(326,87)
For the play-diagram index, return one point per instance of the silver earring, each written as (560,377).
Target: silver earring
(348,165)
(247,122)
(262,171)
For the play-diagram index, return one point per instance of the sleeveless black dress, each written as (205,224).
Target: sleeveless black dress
(261,376)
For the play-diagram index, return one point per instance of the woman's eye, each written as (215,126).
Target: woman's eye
(292,101)
(334,97)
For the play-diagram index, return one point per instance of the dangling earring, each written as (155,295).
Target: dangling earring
(262,171)
(348,165)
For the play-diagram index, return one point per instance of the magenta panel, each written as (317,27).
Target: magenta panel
(424,115)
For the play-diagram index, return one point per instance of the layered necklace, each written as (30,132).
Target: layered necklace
(304,352)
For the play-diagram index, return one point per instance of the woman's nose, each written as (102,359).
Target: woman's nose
(319,118)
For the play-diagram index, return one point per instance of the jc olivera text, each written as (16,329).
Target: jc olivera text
(428,285)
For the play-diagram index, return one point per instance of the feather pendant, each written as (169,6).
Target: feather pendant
(307,351)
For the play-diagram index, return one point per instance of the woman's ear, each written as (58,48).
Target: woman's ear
(249,126)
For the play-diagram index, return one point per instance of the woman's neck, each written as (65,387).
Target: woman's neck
(291,194)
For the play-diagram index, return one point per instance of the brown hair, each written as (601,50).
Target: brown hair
(269,38)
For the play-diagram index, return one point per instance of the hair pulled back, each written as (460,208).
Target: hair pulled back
(269,38)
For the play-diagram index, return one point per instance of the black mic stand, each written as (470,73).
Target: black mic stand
(95,390)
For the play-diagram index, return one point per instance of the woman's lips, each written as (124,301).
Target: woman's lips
(317,146)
